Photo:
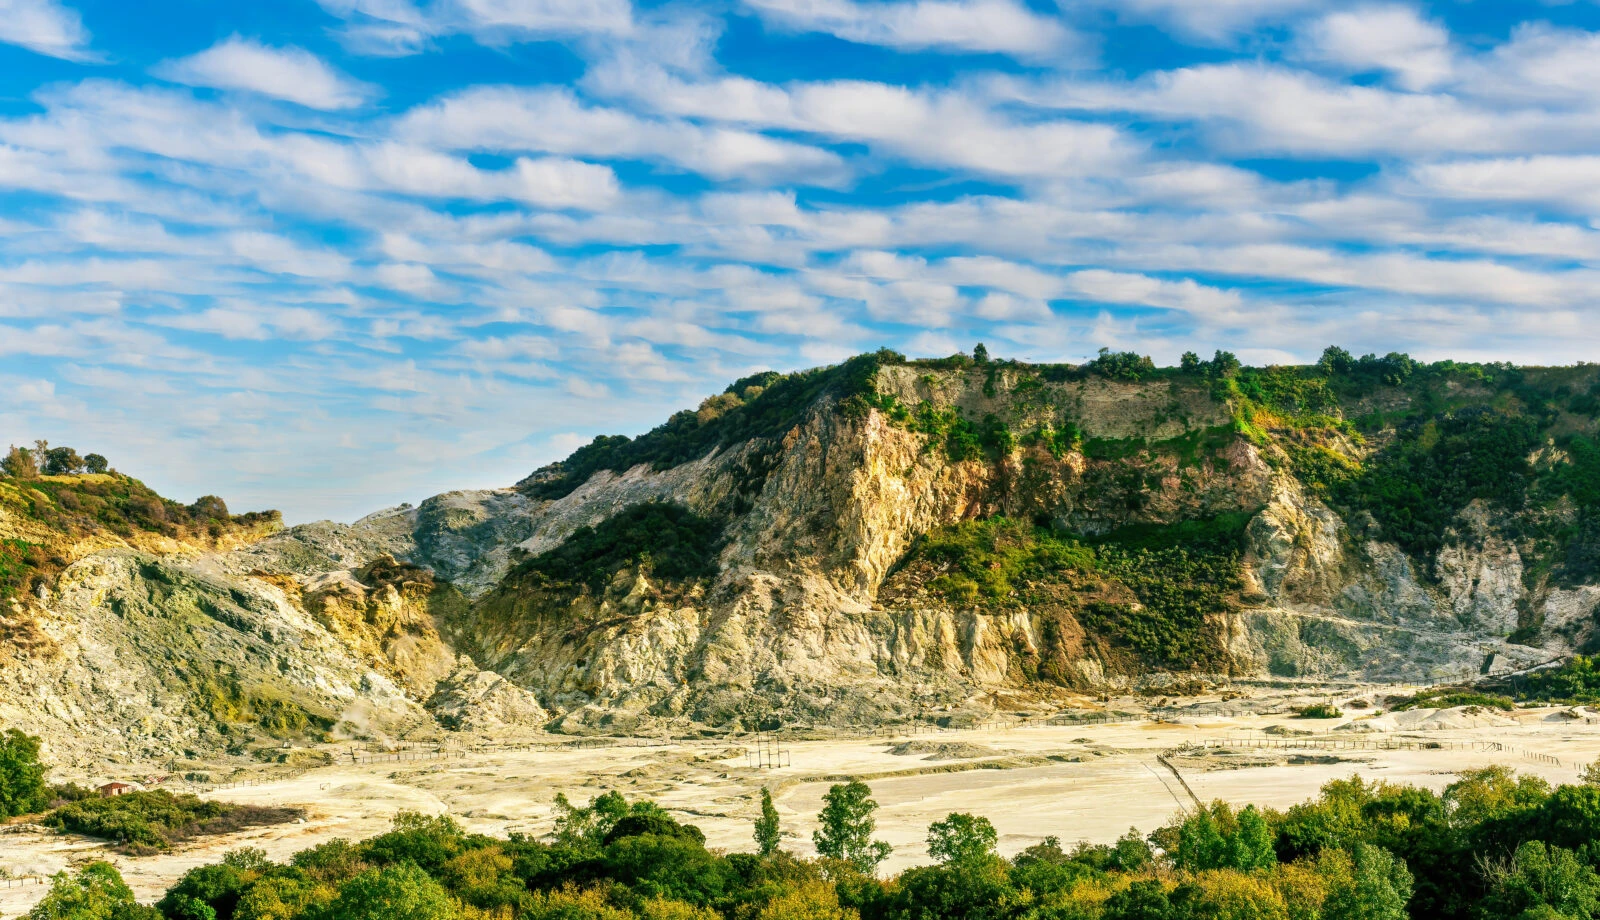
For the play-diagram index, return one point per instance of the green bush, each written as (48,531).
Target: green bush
(1358,849)
(1447,698)
(1577,680)
(1319,711)
(157,819)
(672,542)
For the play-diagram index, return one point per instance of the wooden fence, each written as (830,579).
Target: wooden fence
(1366,744)
(21,881)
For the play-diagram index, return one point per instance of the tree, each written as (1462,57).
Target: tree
(209,507)
(847,826)
(813,900)
(1591,774)
(20,463)
(1224,364)
(1251,844)
(1544,875)
(768,833)
(1200,842)
(394,893)
(980,354)
(1336,360)
(1122,365)
(961,839)
(1190,363)
(95,463)
(1377,887)
(95,892)
(22,787)
(62,461)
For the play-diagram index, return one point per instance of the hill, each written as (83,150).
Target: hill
(894,536)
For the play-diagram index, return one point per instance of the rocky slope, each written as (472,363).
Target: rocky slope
(869,541)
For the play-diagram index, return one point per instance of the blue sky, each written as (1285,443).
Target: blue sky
(329,255)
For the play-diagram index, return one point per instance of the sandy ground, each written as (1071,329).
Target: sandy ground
(1074,782)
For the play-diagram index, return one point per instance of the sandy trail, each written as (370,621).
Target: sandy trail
(1074,782)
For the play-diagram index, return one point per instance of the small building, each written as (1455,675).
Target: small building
(111,790)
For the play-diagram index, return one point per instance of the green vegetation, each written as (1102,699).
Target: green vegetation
(75,497)
(959,438)
(1122,365)
(1577,680)
(1491,846)
(1319,711)
(1450,698)
(95,892)
(987,562)
(144,822)
(226,700)
(962,840)
(669,541)
(847,825)
(1184,575)
(1415,486)
(762,406)
(22,786)
(769,836)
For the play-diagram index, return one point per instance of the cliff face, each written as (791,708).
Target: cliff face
(878,539)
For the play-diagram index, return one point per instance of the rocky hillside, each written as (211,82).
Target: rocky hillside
(867,541)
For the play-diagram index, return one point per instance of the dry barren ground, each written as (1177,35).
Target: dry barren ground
(1076,782)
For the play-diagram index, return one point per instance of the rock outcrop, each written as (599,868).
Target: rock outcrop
(527,607)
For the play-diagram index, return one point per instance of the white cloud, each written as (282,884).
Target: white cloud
(45,26)
(1210,19)
(1540,64)
(292,74)
(400,27)
(1388,38)
(555,121)
(962,25)
(944,128)
(517,19)
(1564,182)
(1266,108)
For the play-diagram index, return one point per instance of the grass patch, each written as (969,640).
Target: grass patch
(147,822)
(226,700)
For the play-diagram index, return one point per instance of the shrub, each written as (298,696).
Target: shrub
(1319,711)
(672,542)
(157,819)
(22,786)
(1445,698)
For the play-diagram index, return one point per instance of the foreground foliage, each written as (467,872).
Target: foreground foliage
(1491,846)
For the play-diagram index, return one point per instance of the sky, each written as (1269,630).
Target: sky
(331,255)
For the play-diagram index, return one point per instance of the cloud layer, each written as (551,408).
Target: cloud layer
(374,249)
